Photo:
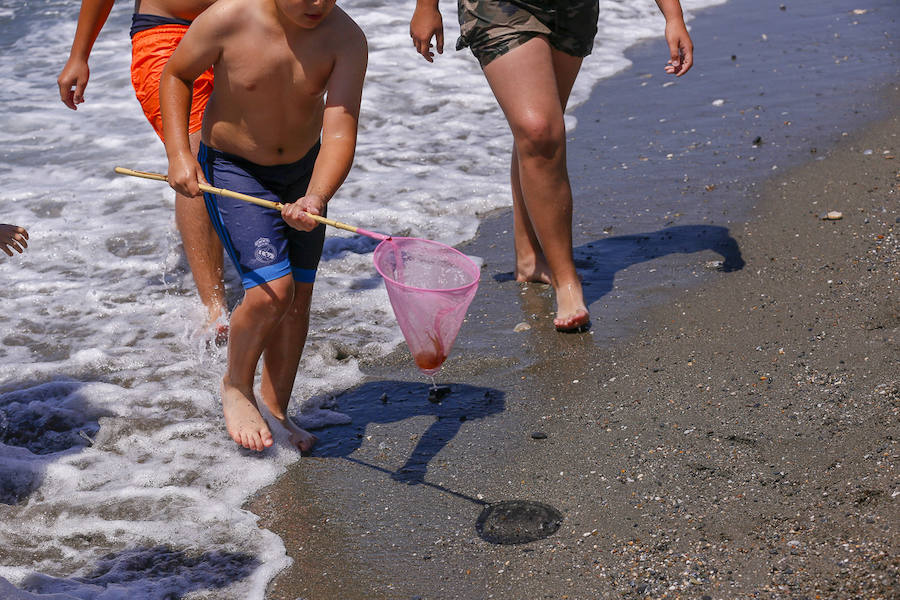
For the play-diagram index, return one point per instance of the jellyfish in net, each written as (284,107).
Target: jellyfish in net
(430,286)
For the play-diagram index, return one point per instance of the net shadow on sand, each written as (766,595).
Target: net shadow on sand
(503,522)
(382,402)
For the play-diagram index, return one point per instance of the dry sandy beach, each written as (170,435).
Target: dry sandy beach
(730,427)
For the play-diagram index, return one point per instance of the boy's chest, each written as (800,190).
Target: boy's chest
(293,74)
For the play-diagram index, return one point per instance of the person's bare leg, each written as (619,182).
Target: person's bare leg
(280,361)
(524,81)
(531,265)
(252,324)
(202,248)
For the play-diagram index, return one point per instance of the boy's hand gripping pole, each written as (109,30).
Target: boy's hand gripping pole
(258,201)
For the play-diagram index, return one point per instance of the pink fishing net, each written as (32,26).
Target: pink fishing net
(430,286)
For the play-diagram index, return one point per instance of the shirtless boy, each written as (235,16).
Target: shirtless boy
(281,124)
(157,27)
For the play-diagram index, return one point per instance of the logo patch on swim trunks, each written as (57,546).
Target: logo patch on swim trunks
(265,251)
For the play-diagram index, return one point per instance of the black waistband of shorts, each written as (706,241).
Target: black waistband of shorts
(301,165)
(142,22)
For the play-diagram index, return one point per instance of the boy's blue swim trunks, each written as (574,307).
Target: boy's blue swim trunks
(261,245)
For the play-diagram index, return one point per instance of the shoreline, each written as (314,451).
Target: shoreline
(729,435)
(743,437)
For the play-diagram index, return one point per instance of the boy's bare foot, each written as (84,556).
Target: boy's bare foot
(571,314)
(216,325)
(221,334)
(242,419)
(300,438)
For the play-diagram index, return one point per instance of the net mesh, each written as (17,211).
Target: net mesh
(430,286)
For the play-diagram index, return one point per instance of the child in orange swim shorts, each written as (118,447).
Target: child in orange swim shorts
(154,39)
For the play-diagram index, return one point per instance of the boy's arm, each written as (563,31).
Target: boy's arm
(681,48)
(91,18)
(339,126)
(426,23)
(199,48)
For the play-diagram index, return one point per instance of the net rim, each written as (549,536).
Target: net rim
(475,270)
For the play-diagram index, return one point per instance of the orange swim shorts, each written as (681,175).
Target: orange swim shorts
(150,50)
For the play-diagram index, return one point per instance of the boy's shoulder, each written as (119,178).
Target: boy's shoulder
(341,36)
(343,23)
(231,14)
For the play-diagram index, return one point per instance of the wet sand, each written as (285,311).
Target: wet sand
(729,427)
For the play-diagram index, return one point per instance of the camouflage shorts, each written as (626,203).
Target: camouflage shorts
(491,28)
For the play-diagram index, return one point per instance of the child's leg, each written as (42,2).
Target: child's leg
(531,264)
(202,248)
(252,324)
(527,83)
(280,361)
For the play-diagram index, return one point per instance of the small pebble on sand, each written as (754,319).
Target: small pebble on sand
(833,215)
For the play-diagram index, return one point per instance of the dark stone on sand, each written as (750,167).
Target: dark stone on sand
(437,393)
(517,522)
(539,435)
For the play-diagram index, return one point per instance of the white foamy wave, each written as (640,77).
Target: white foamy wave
(113,453)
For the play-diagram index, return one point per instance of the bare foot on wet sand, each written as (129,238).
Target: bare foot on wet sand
(532,271)
(299,438)
(571,314)
(242,419)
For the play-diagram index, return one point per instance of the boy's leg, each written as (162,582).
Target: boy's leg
(525,83)
(280,361)
(202,248)
(151,49)
(252,324)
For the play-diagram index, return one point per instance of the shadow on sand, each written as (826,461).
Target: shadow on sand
(504,522)
(393,401)
(599,261)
